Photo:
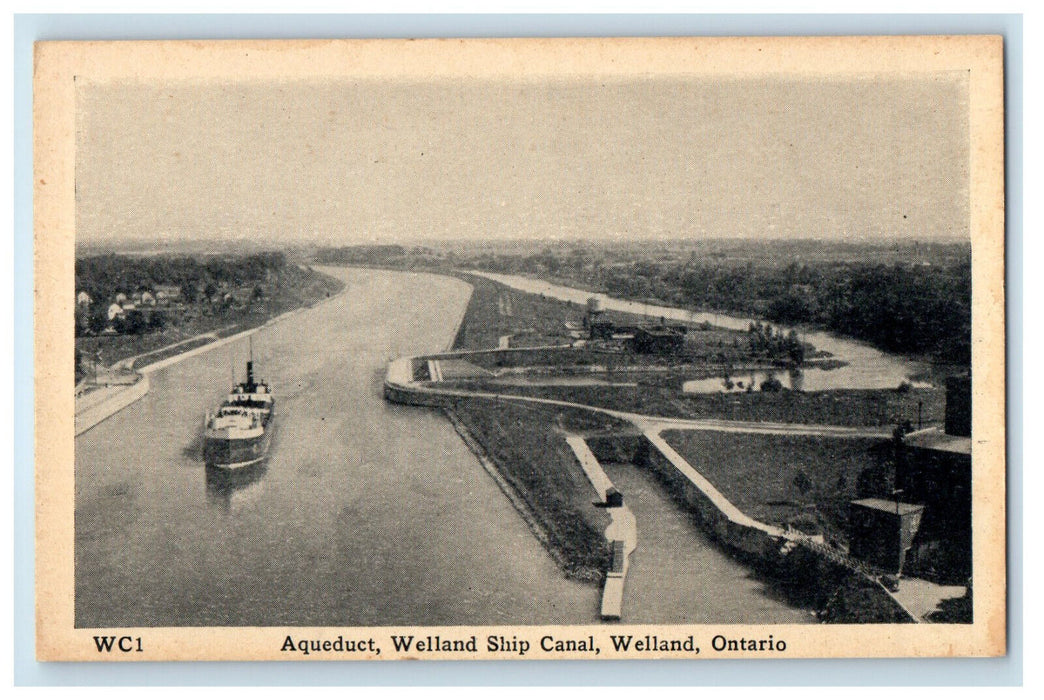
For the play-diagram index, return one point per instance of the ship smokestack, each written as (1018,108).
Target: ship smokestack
(250,372)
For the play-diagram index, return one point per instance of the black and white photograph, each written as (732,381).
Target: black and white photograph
(520,349)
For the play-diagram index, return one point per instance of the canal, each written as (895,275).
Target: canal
(865,367)
(365,513)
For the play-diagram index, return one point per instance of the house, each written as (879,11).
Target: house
(115,311)
(147,299)
(167,294)
(121,298)
(84,299)
(882,531)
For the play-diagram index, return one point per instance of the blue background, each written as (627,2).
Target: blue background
(952,672)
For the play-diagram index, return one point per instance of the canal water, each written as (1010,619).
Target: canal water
(676,575)
(866,367)
(366,513)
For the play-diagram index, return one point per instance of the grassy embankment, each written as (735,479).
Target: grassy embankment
(297,287)
(846,407)
(530,319)
(526,444)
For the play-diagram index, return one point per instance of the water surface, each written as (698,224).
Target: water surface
(866,368)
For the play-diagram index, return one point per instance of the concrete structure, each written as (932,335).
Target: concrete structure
(622,533)
(95,406)
(881,531)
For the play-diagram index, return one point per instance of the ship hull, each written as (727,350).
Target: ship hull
(236,453)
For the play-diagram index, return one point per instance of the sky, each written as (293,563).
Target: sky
(351,161)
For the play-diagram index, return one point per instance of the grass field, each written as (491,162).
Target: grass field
(496,310)
(804,481)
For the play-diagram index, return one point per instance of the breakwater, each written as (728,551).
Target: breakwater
(622,533)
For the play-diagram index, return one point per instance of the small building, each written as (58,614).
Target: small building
(601,328)
(147,299)
(934,468)
(882,531)
(115,311)
(84,299)
(958,406)
(121,298)
(657,341)
(171,292)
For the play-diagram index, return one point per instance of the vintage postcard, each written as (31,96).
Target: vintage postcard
(520,349)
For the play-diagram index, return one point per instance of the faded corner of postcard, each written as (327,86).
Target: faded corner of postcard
(520,349)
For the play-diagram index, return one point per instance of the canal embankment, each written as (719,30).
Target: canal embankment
(94,406)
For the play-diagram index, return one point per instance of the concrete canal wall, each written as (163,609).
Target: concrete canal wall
(765,543)
(90,411)
(717,515)
(621,535)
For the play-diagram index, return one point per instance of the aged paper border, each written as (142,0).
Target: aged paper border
(55,64)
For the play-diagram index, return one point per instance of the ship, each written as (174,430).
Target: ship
(239,432)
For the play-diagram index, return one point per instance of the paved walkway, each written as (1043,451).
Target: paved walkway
(922,598)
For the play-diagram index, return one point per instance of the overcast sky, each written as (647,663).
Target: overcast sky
(352,161)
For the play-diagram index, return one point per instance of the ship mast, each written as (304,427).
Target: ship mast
(250,366)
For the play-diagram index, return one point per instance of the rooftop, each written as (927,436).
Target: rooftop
(888,506)
(936,439)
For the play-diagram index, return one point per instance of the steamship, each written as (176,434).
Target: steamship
(239,432)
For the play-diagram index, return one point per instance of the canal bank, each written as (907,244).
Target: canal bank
(94,406)
(98,404)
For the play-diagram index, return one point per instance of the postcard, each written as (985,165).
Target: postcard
(684,348)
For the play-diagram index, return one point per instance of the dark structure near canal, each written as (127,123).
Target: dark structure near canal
(934,469)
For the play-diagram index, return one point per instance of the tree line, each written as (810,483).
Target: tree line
(920,309)
(103,277)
